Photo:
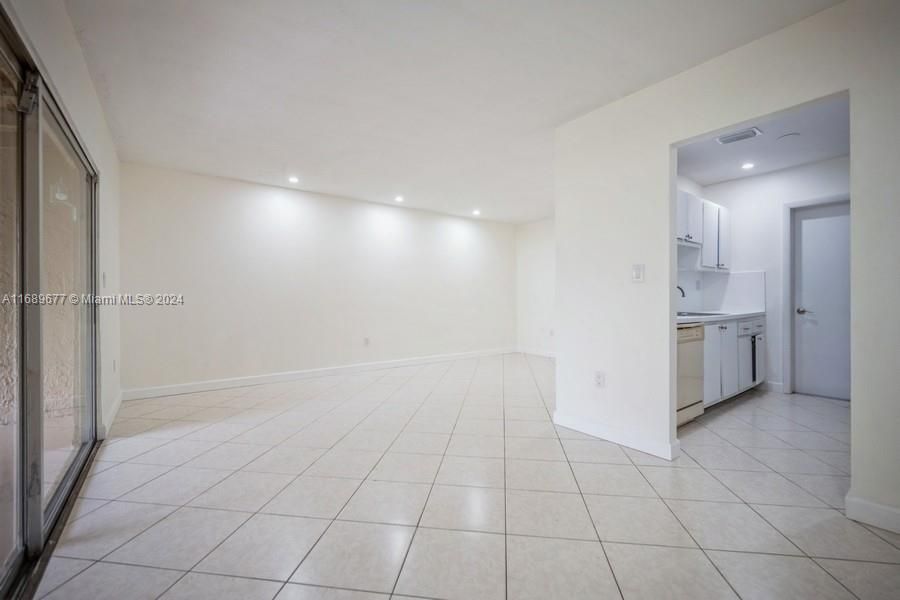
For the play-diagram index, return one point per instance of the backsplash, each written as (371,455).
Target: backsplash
(722,292)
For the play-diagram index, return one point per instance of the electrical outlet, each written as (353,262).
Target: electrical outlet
(552,333)
(365,341)
(600,379)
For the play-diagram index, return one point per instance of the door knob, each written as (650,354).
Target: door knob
(803,311)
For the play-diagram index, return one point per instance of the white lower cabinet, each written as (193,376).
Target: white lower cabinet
(745,362)
(729,359)
(732,362)
(712,364)
(760,359)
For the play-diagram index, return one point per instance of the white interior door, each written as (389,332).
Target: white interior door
(821,281)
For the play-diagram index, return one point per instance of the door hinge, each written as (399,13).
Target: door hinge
(28,97)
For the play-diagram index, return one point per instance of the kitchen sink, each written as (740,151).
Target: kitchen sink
(699,314)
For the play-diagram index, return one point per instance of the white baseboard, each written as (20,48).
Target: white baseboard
(667,451)
(872,513)
(109,416)
(773,386)
(232,382)
(535,352)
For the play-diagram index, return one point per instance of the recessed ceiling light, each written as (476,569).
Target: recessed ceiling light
(476,212)
(294,179)
(747,166)
(398,199)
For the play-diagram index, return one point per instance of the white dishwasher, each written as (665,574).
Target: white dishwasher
(690,372)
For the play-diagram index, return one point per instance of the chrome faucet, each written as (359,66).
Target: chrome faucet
(680,289)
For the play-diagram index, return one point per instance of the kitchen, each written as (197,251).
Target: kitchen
(741,324)
(721,350)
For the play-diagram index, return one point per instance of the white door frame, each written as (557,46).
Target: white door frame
(787,282)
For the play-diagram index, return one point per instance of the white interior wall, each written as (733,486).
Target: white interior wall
(689,185)
(47,31)
(757,230)
(615,183)
(279,281)
(535,287)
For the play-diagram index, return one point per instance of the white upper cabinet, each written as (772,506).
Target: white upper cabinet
(716,252)
(681,217)
(695,220)
(724,244)
(709,255)
(689,218)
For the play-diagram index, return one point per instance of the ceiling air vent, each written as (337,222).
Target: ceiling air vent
(737,136)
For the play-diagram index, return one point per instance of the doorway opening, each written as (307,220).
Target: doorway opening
(761,290)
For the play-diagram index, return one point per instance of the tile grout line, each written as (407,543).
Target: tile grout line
(761,516)
(805,553)
(577,483)
(687,531)
(771,469)
(383,401)
(331,521)
(412,539)
(361,482)
(67,580)
(675,547)
(883,538)
(505,487)
(774,433)
(254,513)
(217,445)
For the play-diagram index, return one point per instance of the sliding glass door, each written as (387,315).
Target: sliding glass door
(66,326)
(47,317)
(10,321)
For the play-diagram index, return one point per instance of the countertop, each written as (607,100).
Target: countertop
(723,317)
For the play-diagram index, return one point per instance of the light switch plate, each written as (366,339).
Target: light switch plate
(637,273)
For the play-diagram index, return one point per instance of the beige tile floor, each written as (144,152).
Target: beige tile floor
(449,480)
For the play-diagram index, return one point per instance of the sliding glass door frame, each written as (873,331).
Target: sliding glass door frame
(40,520)
(40,507)
(14,558)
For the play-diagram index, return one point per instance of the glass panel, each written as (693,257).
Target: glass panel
(10,321)
(65,326)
